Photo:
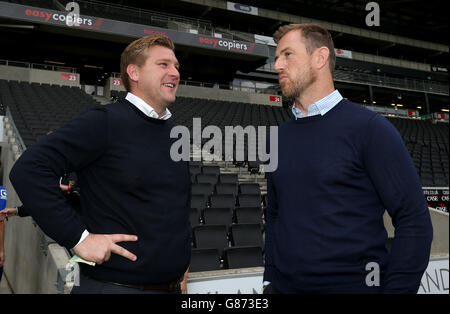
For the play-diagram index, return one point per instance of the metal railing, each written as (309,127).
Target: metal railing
(14,137)
(38,66)
(144,16)
(431,87)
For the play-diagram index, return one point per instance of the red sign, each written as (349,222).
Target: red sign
(69,77)
(275,98)
(117,82)
(154,32)
(412,113)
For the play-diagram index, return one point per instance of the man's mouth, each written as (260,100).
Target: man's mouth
(170,85)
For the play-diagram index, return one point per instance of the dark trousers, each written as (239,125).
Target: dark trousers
(92,286)
(270,289)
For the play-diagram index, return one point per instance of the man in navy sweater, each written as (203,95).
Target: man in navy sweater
(134,219)
(340,166)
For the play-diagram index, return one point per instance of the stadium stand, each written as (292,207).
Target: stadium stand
(243,256)
(40,108)
(229,201)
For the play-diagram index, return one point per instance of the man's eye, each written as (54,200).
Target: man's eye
(163,64)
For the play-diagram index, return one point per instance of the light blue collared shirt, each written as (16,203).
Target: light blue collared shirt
(321,106)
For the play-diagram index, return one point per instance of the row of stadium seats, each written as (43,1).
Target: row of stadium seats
(428,145)
(40,108)
(226,218)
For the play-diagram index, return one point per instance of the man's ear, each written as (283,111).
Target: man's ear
(322,55)
(133,73)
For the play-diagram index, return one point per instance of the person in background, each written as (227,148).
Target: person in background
(3,198)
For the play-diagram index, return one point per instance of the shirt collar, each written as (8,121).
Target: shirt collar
(321,106)
(146,108)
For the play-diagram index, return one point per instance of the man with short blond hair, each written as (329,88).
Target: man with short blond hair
(340,166)
(134,218)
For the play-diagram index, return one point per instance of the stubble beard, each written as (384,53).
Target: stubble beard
(298,86)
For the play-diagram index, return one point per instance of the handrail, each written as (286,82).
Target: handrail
(38,66)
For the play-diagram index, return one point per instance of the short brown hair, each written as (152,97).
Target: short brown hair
(315,37)
(136,53)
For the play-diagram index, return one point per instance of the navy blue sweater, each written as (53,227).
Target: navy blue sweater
(336,175)
(129,185)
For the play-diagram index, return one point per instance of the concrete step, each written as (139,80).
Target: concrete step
(102,99)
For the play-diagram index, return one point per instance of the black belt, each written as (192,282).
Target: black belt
(169,286)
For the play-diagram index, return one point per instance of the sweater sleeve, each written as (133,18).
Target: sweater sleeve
(272,213)
(395,178)
(35,175)
(22,212)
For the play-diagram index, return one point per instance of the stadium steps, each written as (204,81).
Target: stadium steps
(101,99)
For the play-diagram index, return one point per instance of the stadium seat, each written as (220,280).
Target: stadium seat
(250,215)
(228,178)
(249,188)
(249,200)
(199,201)
(217,216)
(242,257)
(227,188)
(207,178)
(202,189)
(246,235)
(211,236)
(194,217)
(204,260)
(211,170)
(223,201)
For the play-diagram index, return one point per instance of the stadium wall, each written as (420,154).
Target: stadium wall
(39,76)
(209,93)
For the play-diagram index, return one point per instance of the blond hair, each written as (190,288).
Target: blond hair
(136,53)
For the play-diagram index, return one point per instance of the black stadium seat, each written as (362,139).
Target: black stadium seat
(251,215)
(194,217)
(211,236)
(207,178)
(246,235)
(249,188)
(217,216)
(202,188)
(223,201)
(204,260)
(249,200)
(199,201)
(211,170)
(227,188)
(242,257)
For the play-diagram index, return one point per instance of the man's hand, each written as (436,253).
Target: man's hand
(64,187)
(2,258)
(7,212)
(97,248)
(183,284)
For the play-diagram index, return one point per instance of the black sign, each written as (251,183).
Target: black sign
(437,198)
(439,68)
(101,25)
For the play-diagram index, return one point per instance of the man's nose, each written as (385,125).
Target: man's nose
(278,66)
(174,72)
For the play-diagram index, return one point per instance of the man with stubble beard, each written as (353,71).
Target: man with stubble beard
(134,218)
(340,166)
